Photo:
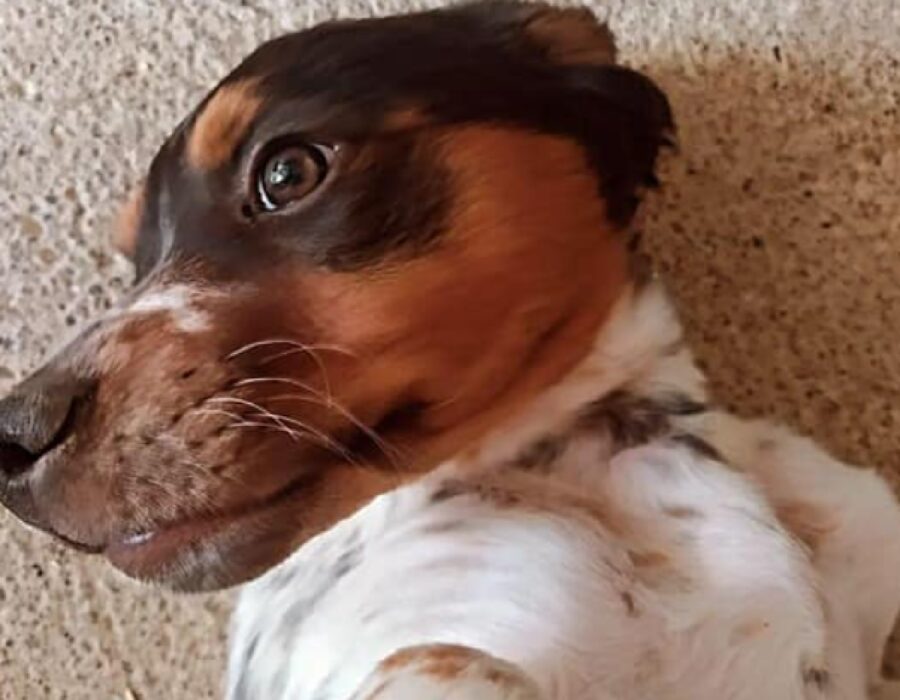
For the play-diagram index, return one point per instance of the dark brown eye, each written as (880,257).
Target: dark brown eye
(290,174)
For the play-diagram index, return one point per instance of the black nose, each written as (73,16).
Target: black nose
(35,418)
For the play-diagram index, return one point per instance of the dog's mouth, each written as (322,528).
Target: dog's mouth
(149,554)
(153,554)
(207,546)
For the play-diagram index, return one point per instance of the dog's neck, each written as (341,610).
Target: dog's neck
(637,372)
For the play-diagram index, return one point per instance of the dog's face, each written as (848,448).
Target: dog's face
(360,252)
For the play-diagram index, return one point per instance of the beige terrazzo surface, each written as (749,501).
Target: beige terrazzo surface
(779,231)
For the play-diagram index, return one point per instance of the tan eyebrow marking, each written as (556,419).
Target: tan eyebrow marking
(223,123)
(125,233)
(405,119)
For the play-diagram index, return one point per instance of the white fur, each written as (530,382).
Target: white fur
(177,300)
(653,573)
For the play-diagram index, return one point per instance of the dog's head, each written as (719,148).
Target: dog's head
(366,246)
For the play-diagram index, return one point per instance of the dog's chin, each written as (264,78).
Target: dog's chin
(211,553)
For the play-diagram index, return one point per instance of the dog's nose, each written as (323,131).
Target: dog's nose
(35,418)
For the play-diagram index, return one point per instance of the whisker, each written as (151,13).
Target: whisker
(282,380)
(241,422)
(390,451)
(282,421)
(324,437)
(315,358)
(306,349)
(245,402)
(294,435)
(330,403)
(218,412)
(297,346)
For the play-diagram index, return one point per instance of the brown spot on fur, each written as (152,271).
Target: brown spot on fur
(400,659)
(222,124)
(681,512)
(541,455)
(444,661)
(632,419)
(818,677)
(629,419)
(502,677)
(125,234)
(447,662)
(493,493)
(572,36)
(699,446)
(749,629)
(518,489)
(809,523)
(630,605)
(647,559)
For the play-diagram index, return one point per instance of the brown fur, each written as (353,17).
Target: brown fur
(561,268)
(446,662)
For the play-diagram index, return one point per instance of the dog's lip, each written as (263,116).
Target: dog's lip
(145,552)
(77,545)
(145,549)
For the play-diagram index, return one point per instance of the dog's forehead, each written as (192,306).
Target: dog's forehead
(383,57)
(347,79)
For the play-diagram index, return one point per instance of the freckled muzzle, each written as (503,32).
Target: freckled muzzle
(173,441)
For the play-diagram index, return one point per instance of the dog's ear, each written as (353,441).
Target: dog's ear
(624,121)
(625,117)
(568,36)
(622,117)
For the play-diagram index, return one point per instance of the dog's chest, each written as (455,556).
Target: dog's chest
(562,579)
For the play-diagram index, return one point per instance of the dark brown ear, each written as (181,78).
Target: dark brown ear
(565,36)
(625,120)
(569,36)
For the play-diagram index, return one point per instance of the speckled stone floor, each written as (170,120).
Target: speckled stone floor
(778,230)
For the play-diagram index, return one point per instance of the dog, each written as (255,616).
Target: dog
(391,361)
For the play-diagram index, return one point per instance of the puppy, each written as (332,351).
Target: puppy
(388,355)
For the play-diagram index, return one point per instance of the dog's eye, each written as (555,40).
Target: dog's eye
(290,174)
